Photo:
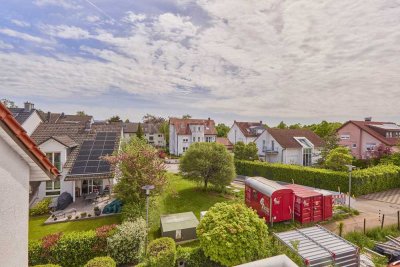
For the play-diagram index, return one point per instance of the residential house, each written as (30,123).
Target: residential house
(21,163)
(151,132)
(28,117)
(364,137)
(289,146)
(184,132)
(51,117)
(75,149)
(245,132)
(153,135)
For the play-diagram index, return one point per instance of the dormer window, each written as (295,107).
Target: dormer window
(55,159)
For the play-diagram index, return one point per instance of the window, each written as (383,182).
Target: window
(151,138)
(185,140)
(370,146)
(194,138)
(307,156)
(199,128)
(93,185)
(53,188)
(55,159)
(209,139)
(185,148)
(160,135)
(198,139)
(354,145)
(272,145)
(345,136)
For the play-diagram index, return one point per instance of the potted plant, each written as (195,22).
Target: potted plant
(97,211)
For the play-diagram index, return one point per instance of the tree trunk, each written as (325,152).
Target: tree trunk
(205,184)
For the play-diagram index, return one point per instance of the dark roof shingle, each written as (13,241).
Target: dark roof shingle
(286,137)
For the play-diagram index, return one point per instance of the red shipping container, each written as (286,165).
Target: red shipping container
(272,201)
(327,203)
(308,204)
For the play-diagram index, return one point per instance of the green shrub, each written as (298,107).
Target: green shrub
(127,244)
(132,211)
(365,181)
(47,265)
(42,207)
(232,234)
(162,252)
(194,257)
(75,248)
(101,262)
(35,253)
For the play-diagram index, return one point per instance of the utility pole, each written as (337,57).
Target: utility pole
(147,188)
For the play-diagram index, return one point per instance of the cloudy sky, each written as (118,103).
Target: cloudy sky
(298,61)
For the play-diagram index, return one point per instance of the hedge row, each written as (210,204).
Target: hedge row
(365,181)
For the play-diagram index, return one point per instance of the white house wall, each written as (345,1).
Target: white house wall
(14,193)
(172,140)
(235,135)
(32,123)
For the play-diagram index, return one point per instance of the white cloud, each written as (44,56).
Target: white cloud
(66,4)
(92,18)
(65,31)
(23,36)
(21,23)
(250,58)
(4,45)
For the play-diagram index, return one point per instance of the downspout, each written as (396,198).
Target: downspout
(283,150)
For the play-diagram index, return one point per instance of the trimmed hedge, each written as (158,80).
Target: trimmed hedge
(101,262)
(162,252)
(42,207)
(194,257)
(365,181)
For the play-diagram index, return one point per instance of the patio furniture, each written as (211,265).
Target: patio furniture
(106,190)
(92,196)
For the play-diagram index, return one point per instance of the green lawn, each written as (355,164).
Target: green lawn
(38,230)
(183,196)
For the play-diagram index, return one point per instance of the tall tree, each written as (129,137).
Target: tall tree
(222,130)
(149,118)
(208,163)
(164,129)
(127,121)
(81,113)
(139,133)
(115,118)
(186,116)
(295,126)
(338,158)
(8,103)
(138,164)
(245,152)
(282,125)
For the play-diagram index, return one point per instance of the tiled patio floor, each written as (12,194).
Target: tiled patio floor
(79,206)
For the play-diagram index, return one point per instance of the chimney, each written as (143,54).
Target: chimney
(62,115)
(260,122)
(28,106)
(209,118)
(368,119)
(48,116)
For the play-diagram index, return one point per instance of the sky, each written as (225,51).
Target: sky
(298,61)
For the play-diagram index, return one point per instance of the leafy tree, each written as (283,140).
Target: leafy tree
(149,118)
(186,116)
(232,234)
(138,164)
(115,118)
(381,151)
(8,103)
(208,163)
(222,130)
(139,133)
(330,142)
(282,125)
(338,158)
(324,128)
(81,113)
(127,121)
(295,126)
(164,129)
(245,152)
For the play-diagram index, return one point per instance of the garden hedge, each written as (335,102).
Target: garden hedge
(365,181)
(42,207)
(162,252)
(194,257)
(101,262)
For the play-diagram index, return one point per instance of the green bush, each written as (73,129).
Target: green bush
(75,248)
(42,207)
(132,211)
(162,252)
(47,265)
(365,181)
(232,234)
(35,253)
(101,262)
(127,244)
(194,257)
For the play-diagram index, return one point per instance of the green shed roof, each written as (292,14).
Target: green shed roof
(173,222)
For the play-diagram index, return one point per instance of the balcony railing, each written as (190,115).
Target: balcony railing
(270,150)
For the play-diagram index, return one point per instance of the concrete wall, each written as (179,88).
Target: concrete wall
(14,194)
(32,123)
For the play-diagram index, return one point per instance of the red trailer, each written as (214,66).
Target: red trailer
(272,201)
(308,206)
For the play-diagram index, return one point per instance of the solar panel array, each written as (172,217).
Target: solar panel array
(88,159)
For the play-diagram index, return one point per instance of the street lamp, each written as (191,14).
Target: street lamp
(350,169)
(147,188)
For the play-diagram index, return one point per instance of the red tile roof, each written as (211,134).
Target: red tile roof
(225,141)
(7,118)
(366,126)
(286,137)
(247,128)
(182,125)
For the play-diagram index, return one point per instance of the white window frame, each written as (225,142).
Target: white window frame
(52,159)
(54,188)
(353,146)
(345,137)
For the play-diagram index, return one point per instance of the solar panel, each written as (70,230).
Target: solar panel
(88,159)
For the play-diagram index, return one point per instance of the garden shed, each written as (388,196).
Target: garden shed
(272,201)
(179,226)
(319,247)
